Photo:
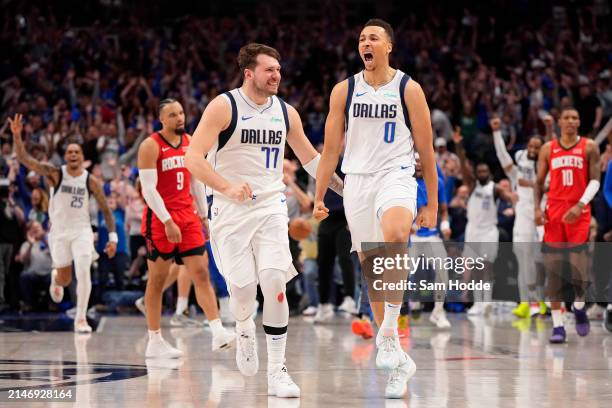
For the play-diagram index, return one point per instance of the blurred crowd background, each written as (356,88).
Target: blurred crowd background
(94,72)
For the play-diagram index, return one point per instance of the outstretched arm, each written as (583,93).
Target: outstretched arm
(96,189)
(502,153)
(305,152)
(334,130)
(44,169)
(216,118)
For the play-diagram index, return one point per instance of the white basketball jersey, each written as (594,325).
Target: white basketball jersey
(481,207)
(526,171)
(69,203)
(252,148)
(377,132)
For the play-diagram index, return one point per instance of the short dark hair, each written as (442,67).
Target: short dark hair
(377,22)
(163,103)
(73,141)
(568,108)
(247,56)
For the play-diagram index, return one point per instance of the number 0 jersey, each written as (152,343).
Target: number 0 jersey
(252,148)
(173,178)
(569,171)
(69,203)
(377,129)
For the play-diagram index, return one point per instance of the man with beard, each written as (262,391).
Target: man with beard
(172,227)
(481,233)
(522,177)
(244,132)
(71,238)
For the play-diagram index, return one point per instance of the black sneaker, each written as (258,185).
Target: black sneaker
(607,322)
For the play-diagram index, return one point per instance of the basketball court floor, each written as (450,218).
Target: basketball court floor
(479,363)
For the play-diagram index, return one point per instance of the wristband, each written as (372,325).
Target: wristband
(444,225)
(112,237)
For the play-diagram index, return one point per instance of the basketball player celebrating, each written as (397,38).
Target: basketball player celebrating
(71,238)
(573,162)
(373,110)
(244,132)
(172,227)
(481,228)
(522,178)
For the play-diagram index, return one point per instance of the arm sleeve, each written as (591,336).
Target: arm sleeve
(148,180)
(335,183)
(199,194)
(502,154)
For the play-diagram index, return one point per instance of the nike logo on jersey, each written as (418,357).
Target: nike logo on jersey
(556,150)
(253,196)
(360,94)
(404,167)
(165,149)
(246,117)
(283,200)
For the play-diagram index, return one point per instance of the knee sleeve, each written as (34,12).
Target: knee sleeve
(242,301)
(82,269)
(276,308)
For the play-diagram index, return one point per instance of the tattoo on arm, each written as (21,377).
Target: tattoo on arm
(44,169)
(98,193)
(593,157)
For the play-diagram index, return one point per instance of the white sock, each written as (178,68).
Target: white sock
(276,351)
(487,295)
(245,325)
(438,307)
(478,296)
(533,295)
(216,327)
(155,334)
(579,305)
(389,323)
(557,318)
(609,306)
(181,305)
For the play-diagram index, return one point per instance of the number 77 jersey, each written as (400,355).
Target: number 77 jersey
(251,149)
(377,127)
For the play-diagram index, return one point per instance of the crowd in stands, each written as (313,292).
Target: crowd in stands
(97,79)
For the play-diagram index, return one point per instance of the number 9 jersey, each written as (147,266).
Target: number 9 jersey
(173,178)
(174,187)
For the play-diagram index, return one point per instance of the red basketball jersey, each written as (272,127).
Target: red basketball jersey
(173,178)
(569,171)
